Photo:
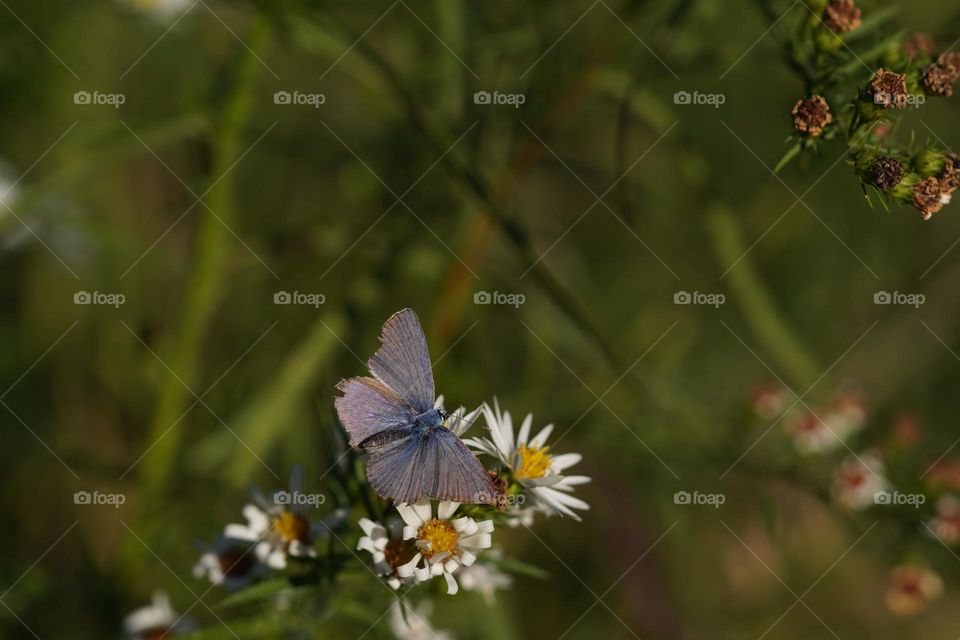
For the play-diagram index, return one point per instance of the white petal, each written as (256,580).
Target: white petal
(525,429)
(446,509)
(452,586)
(423,510)
(541,438)
(559,463)
(407,570)
(409,515)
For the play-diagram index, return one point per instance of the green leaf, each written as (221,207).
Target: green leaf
(255,593)
(519,567)
(791,153)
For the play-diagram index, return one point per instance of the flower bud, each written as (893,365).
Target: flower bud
(929,162)
(842,16)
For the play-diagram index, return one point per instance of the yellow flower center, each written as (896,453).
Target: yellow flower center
(441,536)
(290,526)
(534,462)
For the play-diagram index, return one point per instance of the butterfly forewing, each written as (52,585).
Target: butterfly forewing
(403,362)
(367,407)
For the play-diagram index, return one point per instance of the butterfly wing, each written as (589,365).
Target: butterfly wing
(434,465)
(368,407)
(403,362)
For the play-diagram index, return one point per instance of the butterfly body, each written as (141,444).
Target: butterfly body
(412,454)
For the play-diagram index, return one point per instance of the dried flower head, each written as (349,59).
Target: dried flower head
(919,44)
(928,197)
(938,79)
(811,115)
(911,589)
(887,173)
(842,16)
(950,178)
(889,90)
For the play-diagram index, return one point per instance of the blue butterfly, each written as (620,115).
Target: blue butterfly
(412,454)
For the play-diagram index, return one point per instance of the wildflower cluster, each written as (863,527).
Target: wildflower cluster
(860,80)
(283,545)
(858,470)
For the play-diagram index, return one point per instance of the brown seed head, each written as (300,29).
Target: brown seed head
(938,79)
(842,16)
(811,115)
(887,173)
(889,90)
(928,197)
(950,178)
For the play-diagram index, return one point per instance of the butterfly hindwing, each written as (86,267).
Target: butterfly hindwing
(402,362)
(367,407)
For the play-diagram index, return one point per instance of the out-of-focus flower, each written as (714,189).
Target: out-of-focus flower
(811,115)
(162,10)
(155,621)
(911,588)
(444,544)
(284,526)
(388,548)
(485,578)
(857,480)
(531,463)
(919,44)
(946,524)
(842,16)
(408,623)
(907,431)
(889,90)
(769,401)
(944,474)
(818,432)
(233,562)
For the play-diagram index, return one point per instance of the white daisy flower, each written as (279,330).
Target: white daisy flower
(443,544)
(408,623)
(485,579)
(857,480)
(388,548)
(162,10)
(234,562)
(531,463)
(155,620)
(283,526)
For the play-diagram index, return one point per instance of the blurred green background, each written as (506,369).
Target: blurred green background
(203,195)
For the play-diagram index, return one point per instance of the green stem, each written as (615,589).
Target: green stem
(756,303)
(206,283)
